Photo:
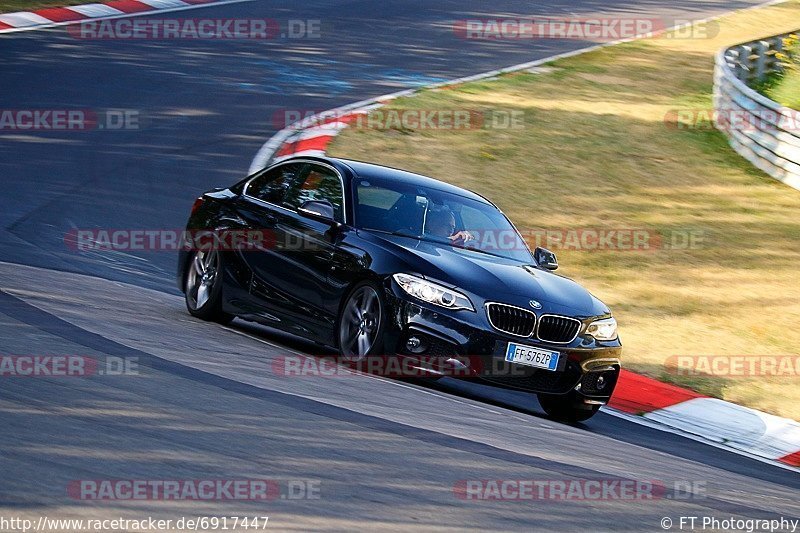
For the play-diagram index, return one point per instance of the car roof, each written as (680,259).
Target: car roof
(362,169)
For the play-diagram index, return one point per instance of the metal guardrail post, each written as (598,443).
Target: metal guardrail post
(759,129)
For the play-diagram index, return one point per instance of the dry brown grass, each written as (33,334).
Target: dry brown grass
(595,152)
(10,6)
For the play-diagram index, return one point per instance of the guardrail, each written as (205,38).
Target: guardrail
(759,129)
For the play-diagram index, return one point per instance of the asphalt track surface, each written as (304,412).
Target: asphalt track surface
(207,401)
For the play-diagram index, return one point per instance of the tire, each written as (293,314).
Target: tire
(362,322)
(203,287)
(566,408)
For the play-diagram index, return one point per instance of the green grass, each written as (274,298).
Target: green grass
(786,90)
(599,149)
(784,87)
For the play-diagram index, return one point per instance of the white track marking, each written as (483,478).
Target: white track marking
(697,438)
(756,432)
(23,19)
(164,4)
(97,11)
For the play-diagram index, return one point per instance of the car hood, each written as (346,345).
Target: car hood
(495,278)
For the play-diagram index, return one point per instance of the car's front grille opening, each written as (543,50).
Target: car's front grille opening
(558,329)
(428,346)
(510,319)
(599,383)
(539,380)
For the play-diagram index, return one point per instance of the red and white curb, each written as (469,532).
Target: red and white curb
(638,398)
(312,135)
(59,16)
(727,424)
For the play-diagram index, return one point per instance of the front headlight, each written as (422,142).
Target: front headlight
(603,330)
(432,293)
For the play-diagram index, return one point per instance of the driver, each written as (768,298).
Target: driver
(442,223)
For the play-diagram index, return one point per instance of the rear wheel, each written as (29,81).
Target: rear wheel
(567,407)
(203,287)
(361,323)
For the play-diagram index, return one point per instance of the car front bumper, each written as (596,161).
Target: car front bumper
(463,344)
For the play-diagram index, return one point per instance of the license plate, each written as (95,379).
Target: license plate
(530,356)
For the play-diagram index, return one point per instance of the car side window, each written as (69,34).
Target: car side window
(317,183)
(272,185)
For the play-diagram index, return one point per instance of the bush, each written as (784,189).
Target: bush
(783,85)
(790,57)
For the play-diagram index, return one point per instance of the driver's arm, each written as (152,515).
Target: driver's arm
(462,235)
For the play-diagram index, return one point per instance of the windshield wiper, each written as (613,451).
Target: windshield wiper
(398,233)
(481,251)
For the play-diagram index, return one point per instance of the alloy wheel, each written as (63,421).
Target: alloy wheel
(360,324)
(201,277)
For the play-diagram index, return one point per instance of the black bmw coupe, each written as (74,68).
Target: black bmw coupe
(375,261)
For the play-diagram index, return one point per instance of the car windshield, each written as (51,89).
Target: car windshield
(433,215)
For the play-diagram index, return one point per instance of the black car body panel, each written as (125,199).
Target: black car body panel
(299,280)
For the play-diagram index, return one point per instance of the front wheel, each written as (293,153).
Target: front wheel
(567,407)
(203,287)
(362,323)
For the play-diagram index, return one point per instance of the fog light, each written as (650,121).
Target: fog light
(415,345)
(601,383)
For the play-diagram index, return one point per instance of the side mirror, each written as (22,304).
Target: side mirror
(319,210)
(545,258)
